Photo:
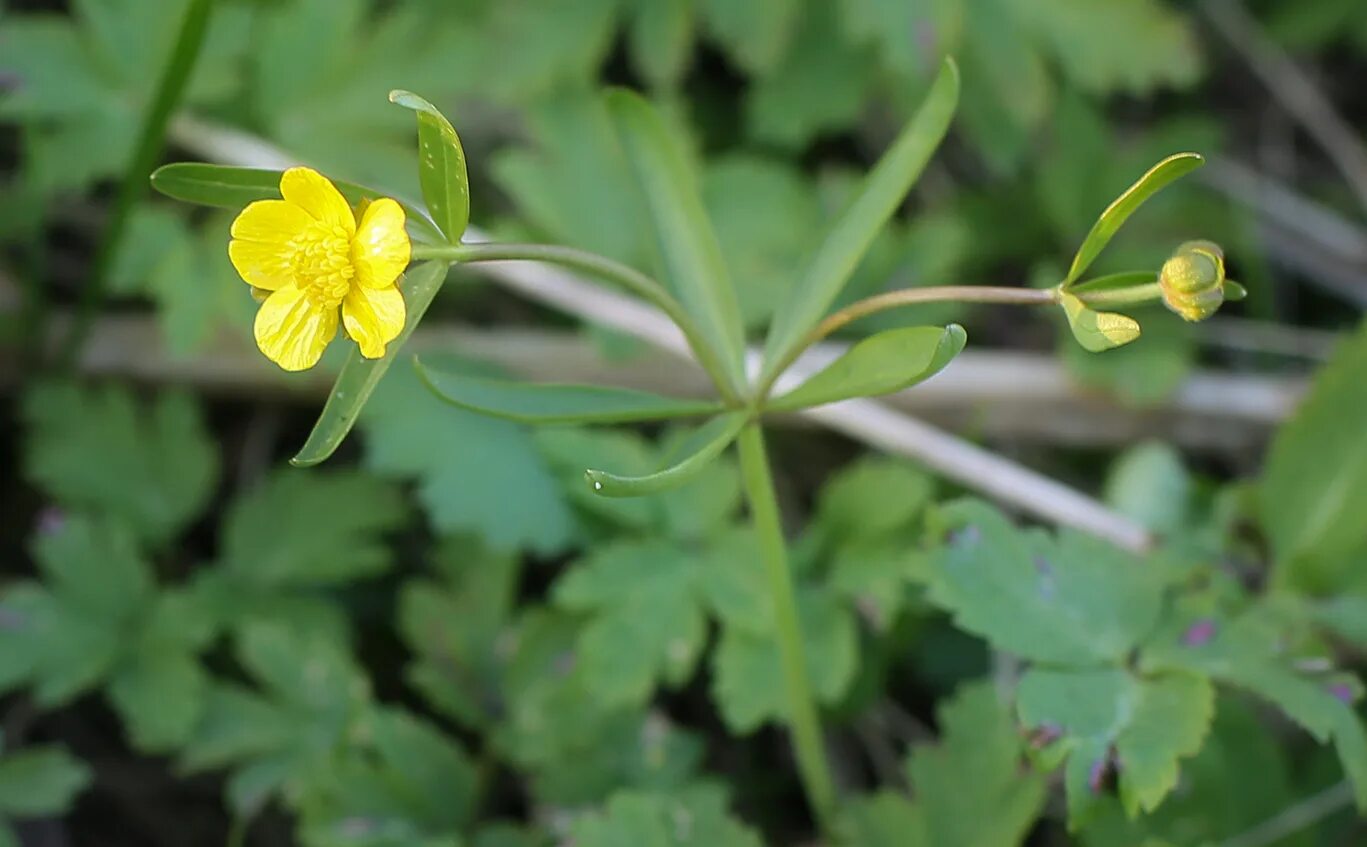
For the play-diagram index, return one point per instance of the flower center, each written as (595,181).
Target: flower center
(321,261)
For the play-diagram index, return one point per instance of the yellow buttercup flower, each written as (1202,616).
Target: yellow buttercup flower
(312,256)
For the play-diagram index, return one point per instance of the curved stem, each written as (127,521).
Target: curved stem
(906,297)
(613,271)
(803,720)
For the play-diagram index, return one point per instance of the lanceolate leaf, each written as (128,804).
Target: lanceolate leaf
(1098,331)
(698,452)
(229,187)
(441,166)
(360,375)
(1106,226)
(883,363)
(542,403)
(688,245)
(876,200)
(1314,491)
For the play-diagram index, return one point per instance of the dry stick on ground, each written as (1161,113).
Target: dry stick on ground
(1020,396)
(866,420)
(1293,819)
(1294,89)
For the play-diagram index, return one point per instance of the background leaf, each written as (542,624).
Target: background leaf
(1306,503)
(96,449)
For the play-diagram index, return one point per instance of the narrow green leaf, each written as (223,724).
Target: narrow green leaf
(698,451)
(1106,226)
(175,76)
(880,364)
(441,166)
(1098,331)
(546,403)
(360,375)
(688,245)
(227,187)
(877,198)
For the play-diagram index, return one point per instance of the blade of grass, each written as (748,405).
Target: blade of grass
(688,245)
(175,77)
(879,196)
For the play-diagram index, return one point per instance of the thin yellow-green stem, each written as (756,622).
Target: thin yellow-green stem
(803,720)
(1002,295)
(624,276)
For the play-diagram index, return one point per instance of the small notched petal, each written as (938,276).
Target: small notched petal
(316,195)
(292,331)
(381,249)
(373,317)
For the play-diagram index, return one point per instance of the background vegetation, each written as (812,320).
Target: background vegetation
(441,638)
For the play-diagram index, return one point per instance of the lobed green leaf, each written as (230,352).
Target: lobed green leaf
(40,781)
(1067,600)
(1147,723)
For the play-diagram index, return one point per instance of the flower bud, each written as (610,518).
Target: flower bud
(1193,280)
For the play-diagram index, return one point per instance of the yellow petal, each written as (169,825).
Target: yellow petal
(381,248)
(373,317)
(312,192)
(260,249)
(292,331)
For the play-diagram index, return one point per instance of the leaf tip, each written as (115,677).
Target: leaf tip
(595,480)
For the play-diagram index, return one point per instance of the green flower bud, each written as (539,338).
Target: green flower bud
(1193,280)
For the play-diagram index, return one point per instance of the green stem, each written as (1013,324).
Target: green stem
(803,720)
(1134,295)
(175,76)
(600,266)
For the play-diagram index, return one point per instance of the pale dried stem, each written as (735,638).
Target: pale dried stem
(1294,90)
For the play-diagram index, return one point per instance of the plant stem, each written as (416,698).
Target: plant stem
(1134,295)
(802,714)
(613,271)
(175,76)
(1004,295)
